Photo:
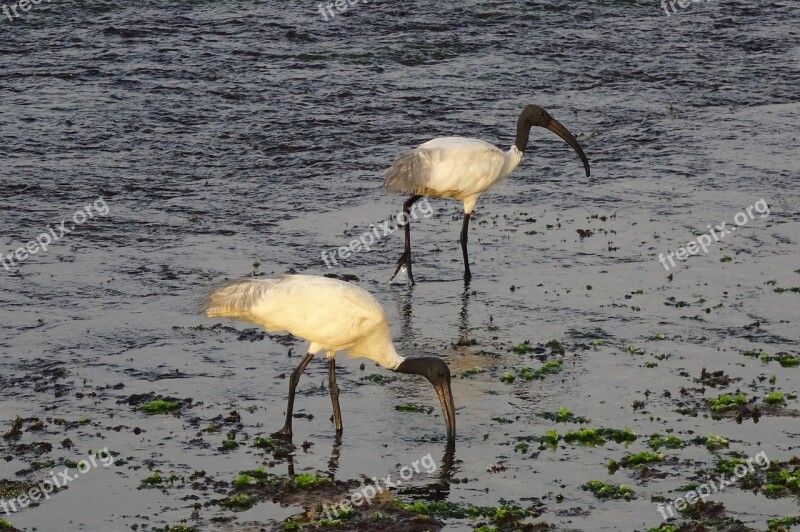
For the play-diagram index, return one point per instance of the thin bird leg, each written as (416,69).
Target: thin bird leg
(286,431)
(464,230)
(405,258)
(334,389)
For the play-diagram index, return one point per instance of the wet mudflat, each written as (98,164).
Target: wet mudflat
(237,139)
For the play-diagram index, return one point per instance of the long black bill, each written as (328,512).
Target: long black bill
(556,127)
(438,374)
(448,408)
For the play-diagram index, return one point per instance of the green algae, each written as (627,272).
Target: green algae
(657,441)
(563,415)
(159,406)
(601,490)
(726,402)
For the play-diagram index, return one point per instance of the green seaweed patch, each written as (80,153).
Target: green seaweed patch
(229,445)
(584,436)
(524,348)
(564,415)
(411,407)
(632,349)
(787,360)
(727,466)
(521,447)
(243,480)
(774,398)
(472,371)
(588,437)
(783,478)
(779,290)
(239,502)
(713,442)
(307,480)
(378,379)
(5,524)
(639,460)
(505,514)
(180,528)
(725,402)
(657,441)
(755,353)
(625,435)
(550,439)
(153,480)
(258,473)
(549,368)
(159,406)
(779,523)
(507,378)
(726,258)
(337,515)
(665,527)
(601,490)
(265,443)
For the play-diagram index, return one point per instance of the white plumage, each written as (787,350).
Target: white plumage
(452,167)
(332,315)
(463,168)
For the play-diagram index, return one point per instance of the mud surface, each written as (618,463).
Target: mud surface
(238,138)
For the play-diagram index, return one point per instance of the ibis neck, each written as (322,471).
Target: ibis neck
(523,133)
(512,159)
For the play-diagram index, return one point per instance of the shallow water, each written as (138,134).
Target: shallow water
(226,134)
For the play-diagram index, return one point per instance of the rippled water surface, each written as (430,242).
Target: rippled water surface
(232,138)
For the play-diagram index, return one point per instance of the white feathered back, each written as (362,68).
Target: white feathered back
(333,315)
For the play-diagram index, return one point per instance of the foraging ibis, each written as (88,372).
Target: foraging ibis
(333,316)
(462,169)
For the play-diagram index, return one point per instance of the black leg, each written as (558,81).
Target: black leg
(286,431)
(464,231)
(334,389)
(405,258)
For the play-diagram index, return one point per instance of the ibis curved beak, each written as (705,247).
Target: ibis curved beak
(556,127)
(448,408)
(438,374)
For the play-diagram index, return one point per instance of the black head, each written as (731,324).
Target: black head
(533,115)
(438,374)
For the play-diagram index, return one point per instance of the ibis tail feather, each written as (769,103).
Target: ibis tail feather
(410,173)
(237,299)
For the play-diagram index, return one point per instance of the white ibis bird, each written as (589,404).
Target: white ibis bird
(334,316)
(462,168)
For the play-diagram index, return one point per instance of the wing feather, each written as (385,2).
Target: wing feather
(447,167)
(329,312)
